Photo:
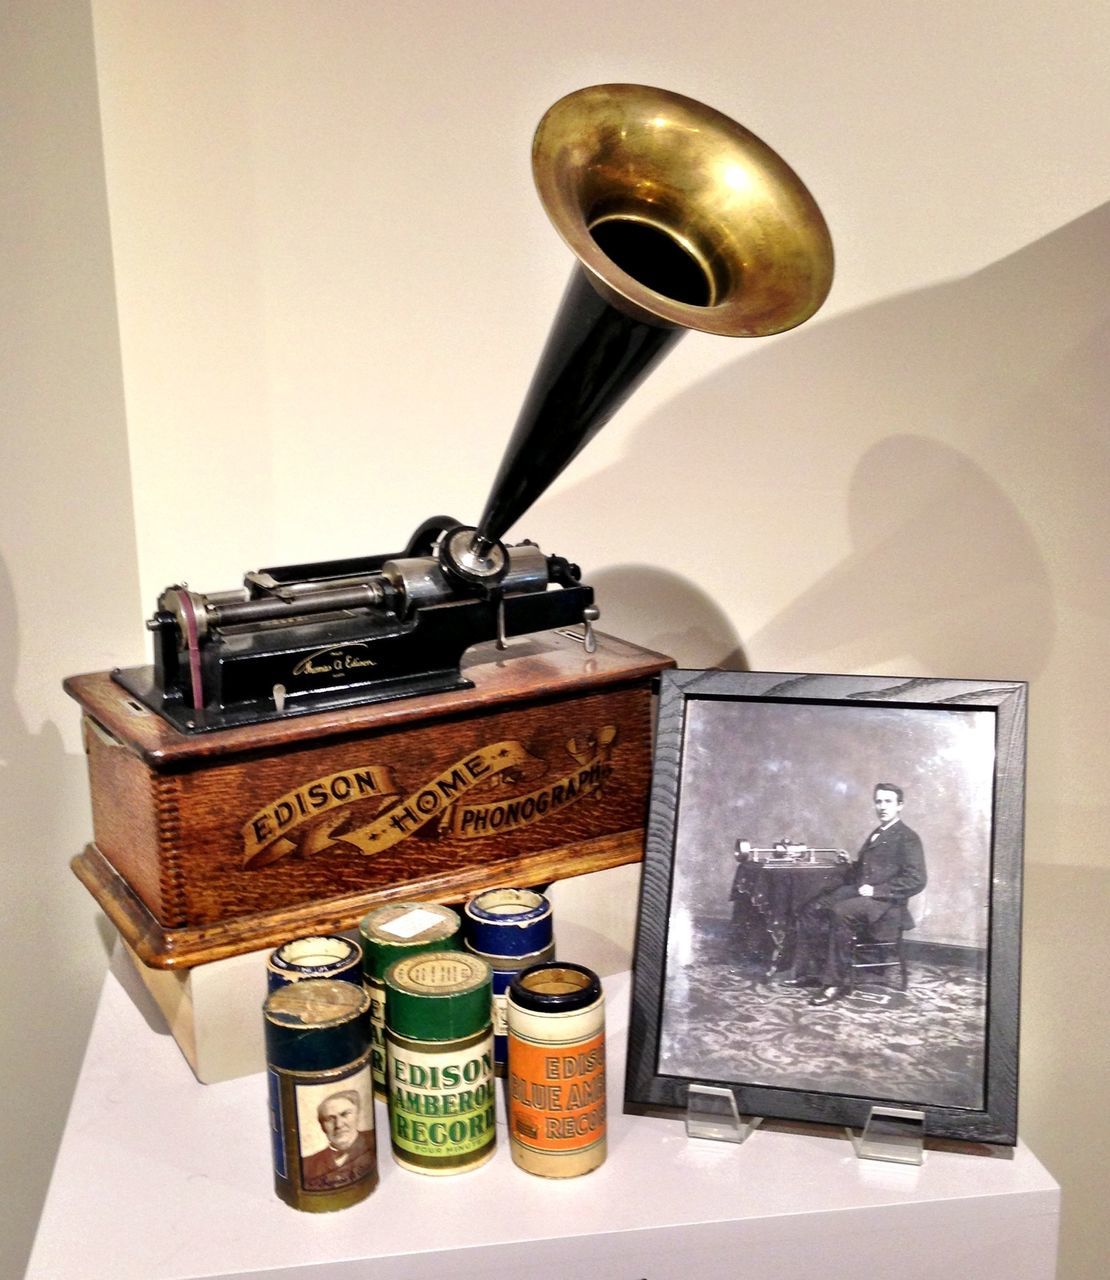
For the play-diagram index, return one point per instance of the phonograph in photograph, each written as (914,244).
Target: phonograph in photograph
(427,723)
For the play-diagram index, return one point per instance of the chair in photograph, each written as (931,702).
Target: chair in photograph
(879,952)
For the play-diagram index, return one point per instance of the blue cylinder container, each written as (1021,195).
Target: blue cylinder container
(511,929)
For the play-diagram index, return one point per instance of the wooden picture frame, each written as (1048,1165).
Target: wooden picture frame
(753,967)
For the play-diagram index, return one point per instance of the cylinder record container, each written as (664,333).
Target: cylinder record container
(331,956)
(321,1093)
(439,1047)
(389,933)
(556,1027)
(508,922)
(512,930)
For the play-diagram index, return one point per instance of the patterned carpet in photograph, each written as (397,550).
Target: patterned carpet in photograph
(732,1024)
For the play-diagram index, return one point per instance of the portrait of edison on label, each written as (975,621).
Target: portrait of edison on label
(335,1123)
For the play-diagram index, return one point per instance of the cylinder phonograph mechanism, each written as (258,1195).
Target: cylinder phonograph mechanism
(789,853)
(679,219)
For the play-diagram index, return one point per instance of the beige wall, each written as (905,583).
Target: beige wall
(333,280)
(69,595)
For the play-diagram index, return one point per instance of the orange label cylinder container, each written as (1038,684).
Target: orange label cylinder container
(556,1070)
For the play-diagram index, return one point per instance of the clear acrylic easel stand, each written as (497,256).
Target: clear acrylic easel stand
(711,1113)
(896,1134)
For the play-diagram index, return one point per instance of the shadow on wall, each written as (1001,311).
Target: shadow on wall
(942,563)
(34,765)
(666,612)
(965,424)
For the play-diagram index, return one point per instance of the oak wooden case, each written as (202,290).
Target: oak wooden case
(216,844)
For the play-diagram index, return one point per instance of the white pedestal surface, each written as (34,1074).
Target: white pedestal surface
(161,1178)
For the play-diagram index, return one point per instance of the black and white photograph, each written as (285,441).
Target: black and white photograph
(836,851)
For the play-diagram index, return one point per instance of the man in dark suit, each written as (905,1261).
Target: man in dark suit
(350,1152)
(888,871)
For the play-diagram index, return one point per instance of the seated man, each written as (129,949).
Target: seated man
(889,870)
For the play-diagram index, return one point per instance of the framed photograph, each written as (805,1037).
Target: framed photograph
(830,914)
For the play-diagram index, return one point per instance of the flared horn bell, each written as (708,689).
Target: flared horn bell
(680,219)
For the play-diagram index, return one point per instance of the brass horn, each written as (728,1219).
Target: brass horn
(680,219)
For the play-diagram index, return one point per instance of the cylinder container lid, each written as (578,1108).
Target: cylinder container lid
(555,987)
(315,957)
(400,928)
(438,995)
(316,1002)
(317,1023)
(508,922)
(508,906)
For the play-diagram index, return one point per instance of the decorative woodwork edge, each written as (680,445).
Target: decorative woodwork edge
(167,808)
(172,948)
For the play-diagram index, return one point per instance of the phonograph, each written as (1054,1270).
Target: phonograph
(429,722)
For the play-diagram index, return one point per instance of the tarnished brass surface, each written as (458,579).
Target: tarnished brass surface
(654,175)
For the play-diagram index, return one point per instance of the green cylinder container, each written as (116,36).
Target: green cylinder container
(439,1049)
(390,933)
